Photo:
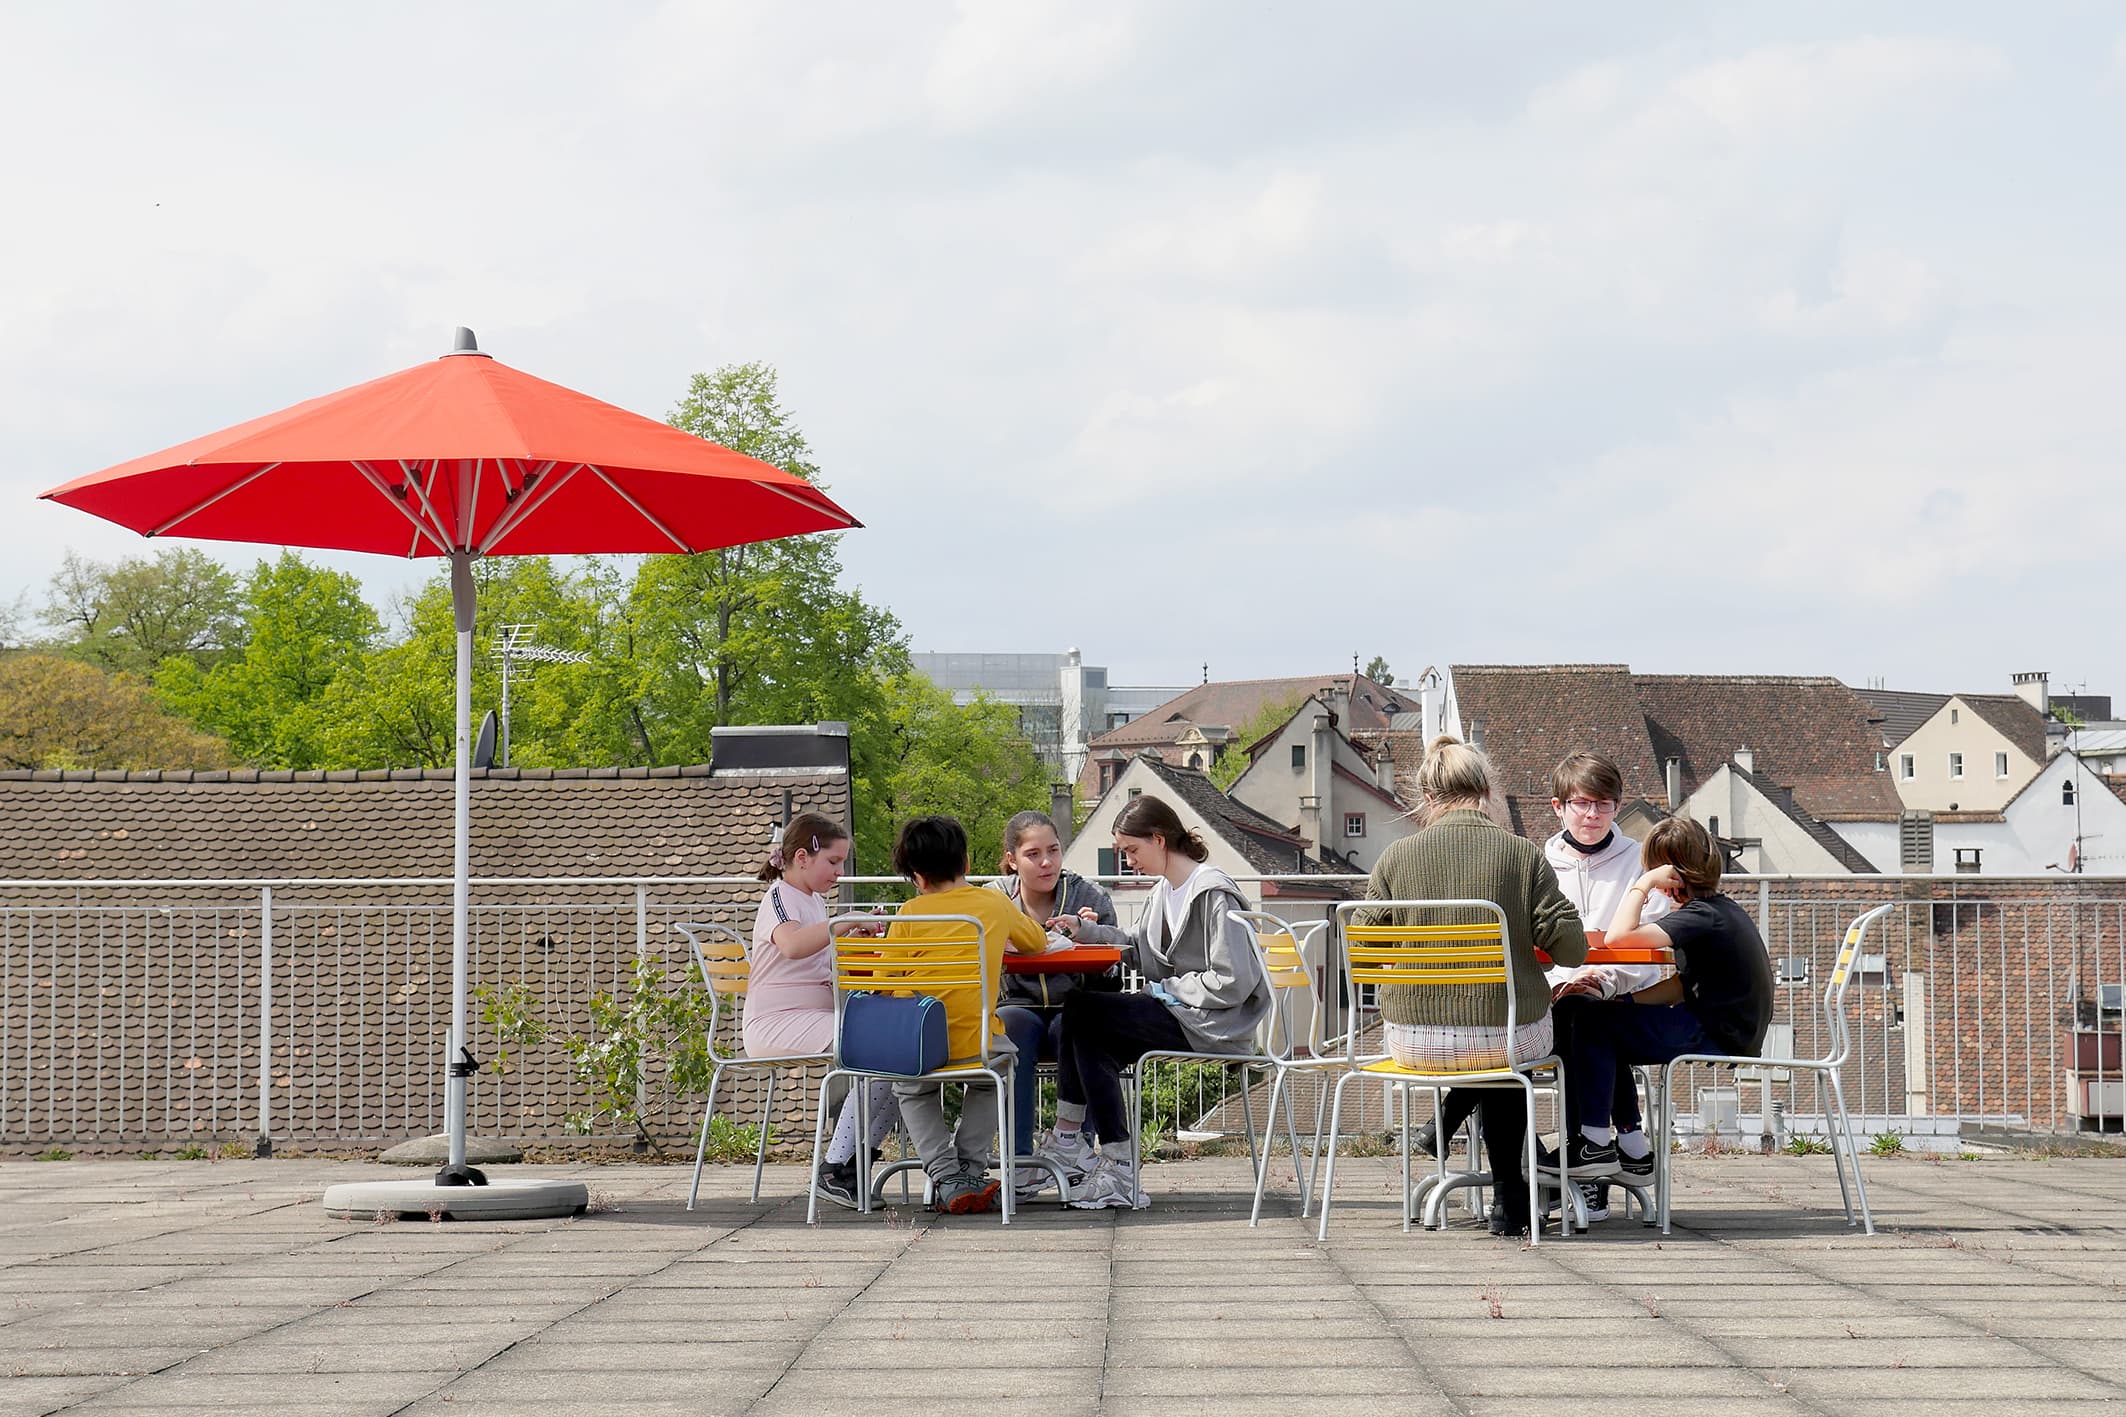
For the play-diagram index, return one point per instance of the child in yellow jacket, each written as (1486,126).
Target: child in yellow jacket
(932,852)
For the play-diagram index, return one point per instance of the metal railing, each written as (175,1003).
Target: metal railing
(156,1014)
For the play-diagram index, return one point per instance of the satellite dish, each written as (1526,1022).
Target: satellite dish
(483,753)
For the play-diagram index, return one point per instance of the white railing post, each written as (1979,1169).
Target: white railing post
(265,1021)
(642,953)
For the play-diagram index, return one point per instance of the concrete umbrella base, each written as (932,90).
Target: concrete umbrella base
(527,1199)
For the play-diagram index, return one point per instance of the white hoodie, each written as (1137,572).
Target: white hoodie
(1595,882)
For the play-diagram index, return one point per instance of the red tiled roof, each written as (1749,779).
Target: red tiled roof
(1233,702)
(1529,716)
(1809,734)
(525,822)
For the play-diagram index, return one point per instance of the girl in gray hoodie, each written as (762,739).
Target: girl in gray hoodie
(1204,992)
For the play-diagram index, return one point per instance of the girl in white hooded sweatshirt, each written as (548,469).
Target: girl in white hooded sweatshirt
(1204,992)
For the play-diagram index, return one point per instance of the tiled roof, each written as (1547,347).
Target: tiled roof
(1233,702)
(2014,719)
(525,822)
(1901,711)
(1529,716)
(1265,843)
(1841,850)
(1809,734)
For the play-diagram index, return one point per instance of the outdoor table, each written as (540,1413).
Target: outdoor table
(1076,959)
(1600,951)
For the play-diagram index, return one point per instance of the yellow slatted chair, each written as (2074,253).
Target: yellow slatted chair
(720,955)
(1845,1150)
(1445,955)
(940,955)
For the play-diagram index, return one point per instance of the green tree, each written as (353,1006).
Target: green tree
(61,713)
(1268,719)
(305,626)
(131,615)
(1377,670)
(929,755)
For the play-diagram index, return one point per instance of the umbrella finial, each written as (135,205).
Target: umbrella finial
(463,342)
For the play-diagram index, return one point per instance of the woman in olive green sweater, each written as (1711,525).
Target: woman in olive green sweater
(1464,854)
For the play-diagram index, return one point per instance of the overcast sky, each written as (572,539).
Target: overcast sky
(1707,338)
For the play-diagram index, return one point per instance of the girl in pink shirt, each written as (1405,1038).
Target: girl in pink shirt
(790,981)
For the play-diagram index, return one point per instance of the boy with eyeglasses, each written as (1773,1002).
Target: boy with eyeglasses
(1595,865)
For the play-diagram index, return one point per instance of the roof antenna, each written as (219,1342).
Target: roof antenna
(1206,671)
(463,343)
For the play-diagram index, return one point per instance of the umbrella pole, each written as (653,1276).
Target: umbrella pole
(462,1065)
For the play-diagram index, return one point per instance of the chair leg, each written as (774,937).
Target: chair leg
(1005,1124)
(1663,1107)
(701,1151)
(1291,1131)
(760,1153)
(1535,1198)
(1247,1115)
(1328,1176)
(1845,1125)
(1403,1147)
(1321,1118)
(1838,1134)
(1262,1163)
(819,1145)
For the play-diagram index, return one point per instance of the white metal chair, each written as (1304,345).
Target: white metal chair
(1406,953)
(1138,1072)
(1845,1150)
(940,955)
(720,954)
(1282,950)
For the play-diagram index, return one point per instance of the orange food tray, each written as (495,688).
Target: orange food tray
(1078,959)
(1601,952)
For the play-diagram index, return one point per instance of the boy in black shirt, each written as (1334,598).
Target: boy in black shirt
(1718,1001)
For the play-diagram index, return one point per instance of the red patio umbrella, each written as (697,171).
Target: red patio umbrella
(460,457)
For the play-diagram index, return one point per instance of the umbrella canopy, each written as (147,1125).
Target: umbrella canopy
(461,457)
(459,454)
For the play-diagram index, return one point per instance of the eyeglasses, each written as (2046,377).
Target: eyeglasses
(1589,807)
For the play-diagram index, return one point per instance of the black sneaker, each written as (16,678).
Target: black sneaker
(1503,1226)
(1426,1139)
(837,1182)
(1639,1168)
(1586,1159)
(1595,1196)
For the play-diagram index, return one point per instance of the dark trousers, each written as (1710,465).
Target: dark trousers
(1038,1035)
(1102,1035)
(1504,1110)
(1601,1038)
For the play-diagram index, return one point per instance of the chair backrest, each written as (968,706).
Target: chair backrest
(1281,951)
(1842,973)
(720,955)
(1416,954)
(941,955)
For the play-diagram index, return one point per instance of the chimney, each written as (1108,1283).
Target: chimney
(1672,777)
(1310,825)
(2034,689)
(1384,767)
(1321,766)
(1061,808)
(1746,760)
(1428,707)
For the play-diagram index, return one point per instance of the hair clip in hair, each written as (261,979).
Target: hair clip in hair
(775,858)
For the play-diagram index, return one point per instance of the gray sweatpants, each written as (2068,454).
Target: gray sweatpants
(946,1154)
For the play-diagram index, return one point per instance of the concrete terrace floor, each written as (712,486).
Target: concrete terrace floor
(156,1286)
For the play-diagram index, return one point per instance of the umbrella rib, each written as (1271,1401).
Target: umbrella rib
(647,514)
(524,508)
(420,530)
(847,520)
(199,507)
(428,507)
(472,503)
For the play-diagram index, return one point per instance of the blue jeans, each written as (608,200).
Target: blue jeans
(1601,1038)
(1038,1035)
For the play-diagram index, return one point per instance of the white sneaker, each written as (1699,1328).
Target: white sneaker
(1110,1183)
(1029,1181)
(1069,1150)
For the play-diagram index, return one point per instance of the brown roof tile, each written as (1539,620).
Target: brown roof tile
(1529,716)
(1233,702)
(1810,734)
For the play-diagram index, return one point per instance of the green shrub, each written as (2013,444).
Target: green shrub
(1887,1144)
(1798,1145)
